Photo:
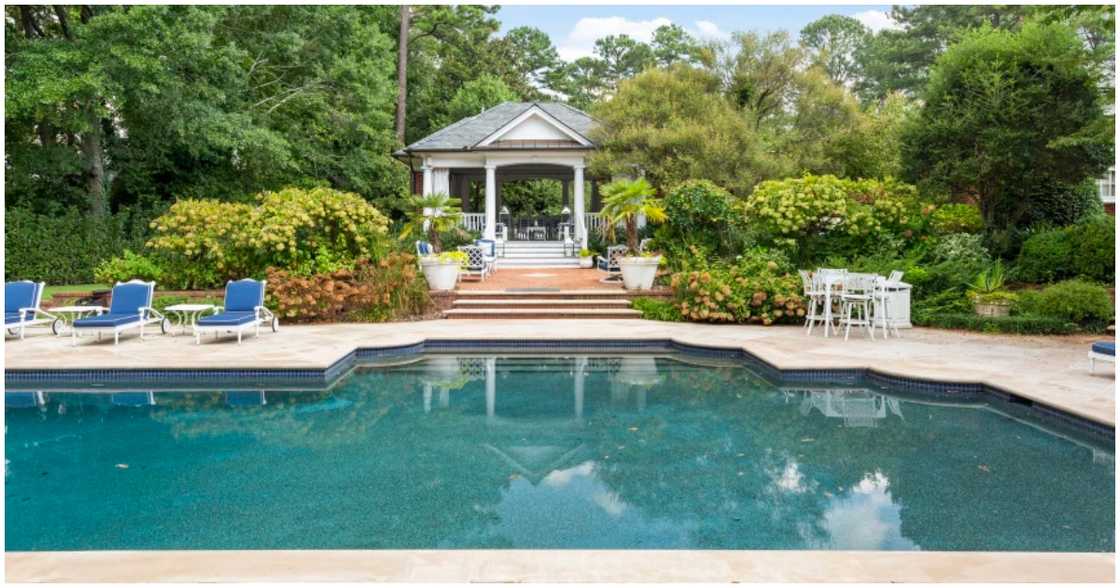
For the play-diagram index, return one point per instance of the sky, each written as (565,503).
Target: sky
(574,29)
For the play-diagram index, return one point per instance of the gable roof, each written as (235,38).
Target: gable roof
(466,134)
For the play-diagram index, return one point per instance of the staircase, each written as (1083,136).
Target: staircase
(534,254)
(555,304)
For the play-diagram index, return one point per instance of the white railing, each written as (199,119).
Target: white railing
(596,223)
(473,221)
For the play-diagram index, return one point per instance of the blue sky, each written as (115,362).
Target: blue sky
(573,29)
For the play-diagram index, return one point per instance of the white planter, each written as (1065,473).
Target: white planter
(441,275)
(585,262)
(638,272)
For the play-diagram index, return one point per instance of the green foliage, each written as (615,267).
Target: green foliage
(961,247)
(700,213)
(127,267)
(203,243)
(1085,249)
(753,290)
(1076,301)
(473,97)
(835,39)
(654,309)
(805,215)
(624,201)
(1015,325)
(1006,114)
(430,216)
(64,248)
(956,218)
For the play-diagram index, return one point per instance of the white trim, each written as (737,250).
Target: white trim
(533,110)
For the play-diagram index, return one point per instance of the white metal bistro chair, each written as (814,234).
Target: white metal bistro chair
(881,306)
(816,300)
(609,263)
(855,302)
(829,282)
(476,265)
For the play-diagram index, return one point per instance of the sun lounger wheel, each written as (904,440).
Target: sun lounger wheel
(56,326)
(165,326)
(275,324)
(13,332)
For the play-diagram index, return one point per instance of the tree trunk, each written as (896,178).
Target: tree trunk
(94,156)
(632,235)
(402,70)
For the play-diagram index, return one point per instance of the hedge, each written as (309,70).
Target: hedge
(65,248)
(1017,325)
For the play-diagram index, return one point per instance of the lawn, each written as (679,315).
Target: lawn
(50,291)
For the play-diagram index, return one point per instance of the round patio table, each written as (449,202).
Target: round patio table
(68,314)
(186,315)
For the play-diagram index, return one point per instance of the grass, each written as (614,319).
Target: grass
(50,291)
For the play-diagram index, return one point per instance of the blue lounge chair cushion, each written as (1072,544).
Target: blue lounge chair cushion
(1105,348)
(488,246)
(227,319)
(130,298)
(108,320)
(19,295)
(11,317)
(424,248)
(244,295)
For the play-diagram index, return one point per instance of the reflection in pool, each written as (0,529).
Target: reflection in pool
(480,451)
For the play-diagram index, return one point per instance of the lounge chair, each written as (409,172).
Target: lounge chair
(130,307)
(244,309)
(21,307)
(1101,351)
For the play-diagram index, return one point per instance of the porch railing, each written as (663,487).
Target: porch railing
(473,221)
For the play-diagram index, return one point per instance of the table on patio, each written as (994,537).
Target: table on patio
(897,300)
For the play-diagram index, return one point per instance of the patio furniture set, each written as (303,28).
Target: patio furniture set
(130,308)
(839,298)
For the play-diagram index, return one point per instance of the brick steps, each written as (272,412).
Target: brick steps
(542,304)
(541,313)
(539,303)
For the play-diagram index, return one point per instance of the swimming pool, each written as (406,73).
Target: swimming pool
(528,450)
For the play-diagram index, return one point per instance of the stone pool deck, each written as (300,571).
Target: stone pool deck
(1050,370)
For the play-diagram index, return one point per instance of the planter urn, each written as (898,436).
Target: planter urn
(441,275)
(638,273)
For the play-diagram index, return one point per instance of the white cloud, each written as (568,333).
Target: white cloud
(707,30)
(876,20)
(580,42)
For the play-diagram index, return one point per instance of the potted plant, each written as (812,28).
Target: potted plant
(623,202)
(989,298)
(586,258)
(429,216)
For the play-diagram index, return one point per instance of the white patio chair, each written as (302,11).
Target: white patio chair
(856,299)
(610,264)
(896,276)
(476,265)
(881,306)
(815,294)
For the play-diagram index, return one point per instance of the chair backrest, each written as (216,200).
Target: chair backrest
(129,297)
(489,247)
(643,244)
(502,231)
(423,248)
(614,254)
(896,276)
(858,283)
(806,281)
(244,295)
(22,294)
(475,258)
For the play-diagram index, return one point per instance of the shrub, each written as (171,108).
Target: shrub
(956,218)
(961,247)
(1018,325)
(202,243)
(811,213)
(657,310)
(1075,301)
(698,212)
(65,248)
(1087,249)
(750,291)
(388,289)
(127,267)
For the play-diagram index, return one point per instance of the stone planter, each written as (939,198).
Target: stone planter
(441,275)
(638,272)
(586,262)
(1002,308)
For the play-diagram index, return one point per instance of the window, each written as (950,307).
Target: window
(1106,186)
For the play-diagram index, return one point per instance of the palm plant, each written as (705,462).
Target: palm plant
(624,201)
(431,215)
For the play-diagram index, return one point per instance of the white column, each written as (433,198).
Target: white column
(491,202)
(581,228)
(427,189)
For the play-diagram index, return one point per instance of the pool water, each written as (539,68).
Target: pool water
(629,451)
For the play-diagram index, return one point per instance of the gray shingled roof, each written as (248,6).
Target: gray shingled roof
(468,132)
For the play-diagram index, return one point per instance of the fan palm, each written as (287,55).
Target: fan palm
(431,215)
(624,201)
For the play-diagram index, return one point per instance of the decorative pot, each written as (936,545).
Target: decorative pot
(992,308)
(638,272)
(586,262)
(441,275)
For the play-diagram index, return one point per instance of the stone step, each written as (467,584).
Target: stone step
(537,262)
(541,313)
(588,294)
(511,302)
(519,254)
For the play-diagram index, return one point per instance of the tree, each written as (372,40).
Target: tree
(762,74)
(474,97)
(672,44)
(402,69)
(673,125)
(429,216)
(624,201)
(834,40)
(1007,111)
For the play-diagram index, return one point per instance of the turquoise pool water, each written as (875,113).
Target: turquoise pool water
(548,452)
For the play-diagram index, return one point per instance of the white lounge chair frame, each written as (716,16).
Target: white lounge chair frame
(1094,357)
(148,315)
(260,315)
(32,312)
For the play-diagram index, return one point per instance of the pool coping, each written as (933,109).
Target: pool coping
(557,566)
(325,375)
